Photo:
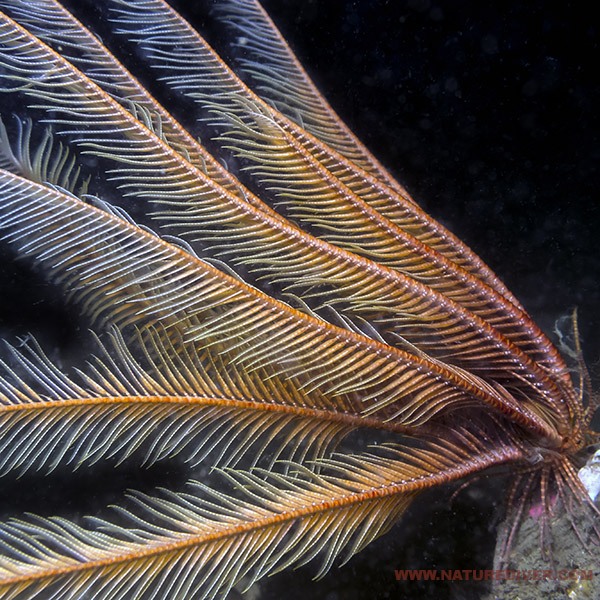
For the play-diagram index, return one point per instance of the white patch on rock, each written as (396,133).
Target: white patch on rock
(590,476)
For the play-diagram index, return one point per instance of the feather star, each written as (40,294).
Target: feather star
(270,314)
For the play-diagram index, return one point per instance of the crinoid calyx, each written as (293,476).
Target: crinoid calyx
(270,312)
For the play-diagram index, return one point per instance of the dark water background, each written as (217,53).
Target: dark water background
(488,115)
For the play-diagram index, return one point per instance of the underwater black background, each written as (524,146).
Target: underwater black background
(486,113)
